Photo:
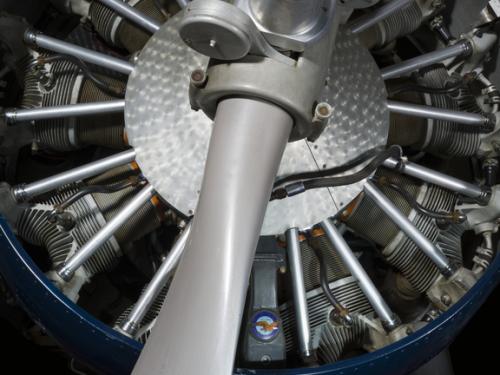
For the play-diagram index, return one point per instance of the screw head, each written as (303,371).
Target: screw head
(446,299)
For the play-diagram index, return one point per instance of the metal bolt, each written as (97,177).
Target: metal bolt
(213,43)
(446,299)
(323,111)
(198,77)
(283,269)
(265,358)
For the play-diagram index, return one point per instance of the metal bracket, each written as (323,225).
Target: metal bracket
(222,31)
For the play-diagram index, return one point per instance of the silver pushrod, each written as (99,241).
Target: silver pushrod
(388,318)
(92,57)
(398,70)
(61,111)
(437,178)
(159,280)
(402,222)
(299,292)
(24,192)
(424,111)
(132,14)
(68,268)
(378,15)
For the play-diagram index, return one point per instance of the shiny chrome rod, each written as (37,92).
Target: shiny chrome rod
(87,55)
(435,255)
(388,318)
(66,270)
(424,111)
(299,292)
(378,15)
(131,323)
(462,48)
(61,111)
(132,14)
(24,192)
(437,178)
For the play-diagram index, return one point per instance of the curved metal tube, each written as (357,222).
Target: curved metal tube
(206,299)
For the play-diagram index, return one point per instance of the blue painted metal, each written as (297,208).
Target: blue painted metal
(109,352)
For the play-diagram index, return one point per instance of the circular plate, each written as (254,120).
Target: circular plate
(171,140)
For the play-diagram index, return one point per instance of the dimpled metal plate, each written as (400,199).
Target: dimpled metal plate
(171,140)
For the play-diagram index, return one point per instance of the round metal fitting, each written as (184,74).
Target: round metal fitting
(216,29)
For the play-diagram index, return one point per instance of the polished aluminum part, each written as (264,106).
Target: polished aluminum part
(24,192)
(299,293)
(172,144)
(291,24)
(68,268)
(443,114)
(462,48)
(387,317)
(131,323)
(222,31)
(89,56)
(197,329)
(378,15)
(132,14)
(437,178)
(63,111)
(183,3)
(436,255)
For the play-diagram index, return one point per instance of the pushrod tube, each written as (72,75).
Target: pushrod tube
(378,15)
(24,192)
(147,298)
(62,111)
(299,292)
(428,112)
(388,318)
(437,178)
(68,268)
(197,330)
(87,55)
(132,14)
(428,248)
(462,48)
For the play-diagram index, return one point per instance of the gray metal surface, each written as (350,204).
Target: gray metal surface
(428,112)
(428,248)
(403,68)
(131,323)
(291,24)
(299,293)
(25,192)
(67,270)
(197,330)
(62,111)
(224,32)
(436,178)
(132,14)
(171,140)
(378,15)
(87,55)
(385,314)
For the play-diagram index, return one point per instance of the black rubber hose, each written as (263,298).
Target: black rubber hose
(316,183)
(96,189)
(365,156)
(100,84)
(446,216)
(340,310)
